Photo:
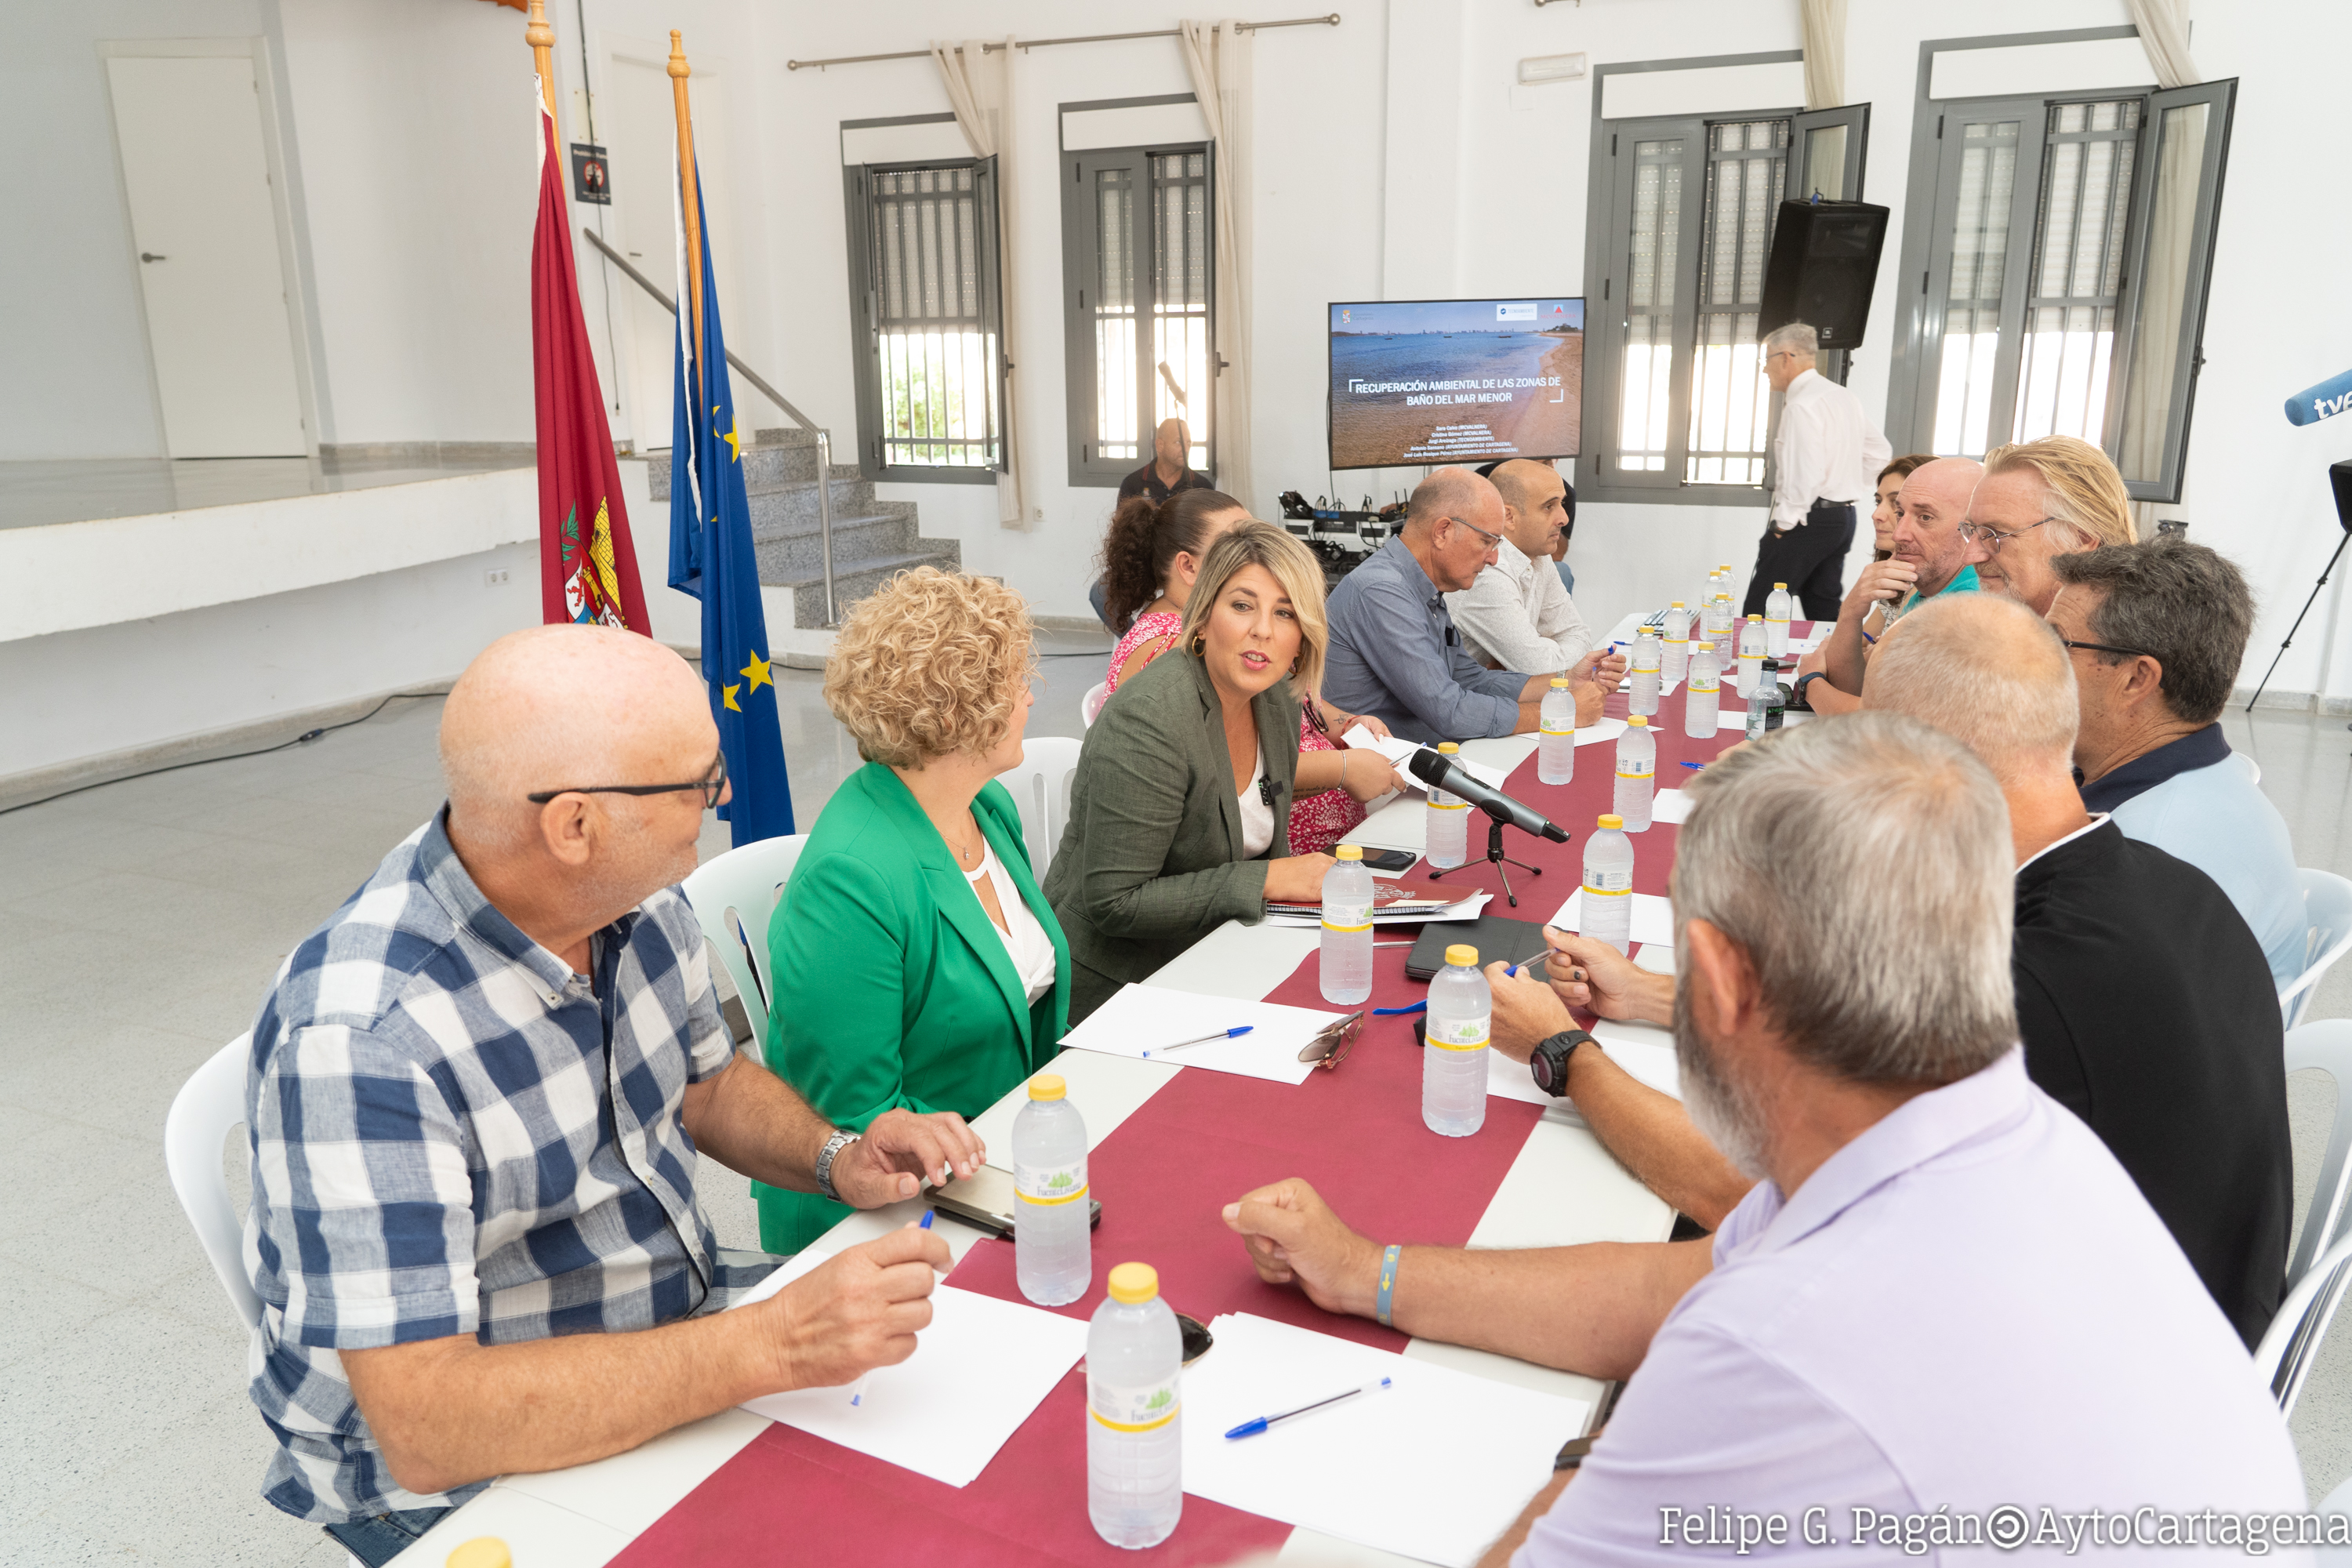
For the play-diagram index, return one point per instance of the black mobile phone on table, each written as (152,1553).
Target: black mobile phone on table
(984,1200)
(1390,860)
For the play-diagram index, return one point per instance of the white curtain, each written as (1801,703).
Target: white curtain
(1824,23)
(2164,33)
(979,87)
(1217,55)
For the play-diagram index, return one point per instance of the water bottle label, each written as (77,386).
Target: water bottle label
(1551,729)
(1609,884)
(1448,804)
(1050,1185)
(1144,1408)
(1636,768)
(1772,620)
(1329,925)
(1702,681)
(1458,1034)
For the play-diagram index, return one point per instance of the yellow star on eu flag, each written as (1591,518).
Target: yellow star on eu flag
(734,442)
(728,697)
(757,672)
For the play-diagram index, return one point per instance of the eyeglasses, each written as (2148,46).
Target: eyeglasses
(2109,647)
(711,787)
(1329,1048)
(1991,538)
(1491,539)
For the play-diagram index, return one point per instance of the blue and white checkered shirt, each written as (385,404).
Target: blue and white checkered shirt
(453,1133)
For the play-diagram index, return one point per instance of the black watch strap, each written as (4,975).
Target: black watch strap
(1548,1062)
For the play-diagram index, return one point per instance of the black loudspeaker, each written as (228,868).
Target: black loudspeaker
(2339,475)
(1824,261)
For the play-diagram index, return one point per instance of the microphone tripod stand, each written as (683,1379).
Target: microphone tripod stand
(2289,643)
(1496,856)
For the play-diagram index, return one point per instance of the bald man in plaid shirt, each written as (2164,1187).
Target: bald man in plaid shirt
(477,1096)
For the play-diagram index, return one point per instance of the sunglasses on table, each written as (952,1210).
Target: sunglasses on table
(1332,1043)
(710,787)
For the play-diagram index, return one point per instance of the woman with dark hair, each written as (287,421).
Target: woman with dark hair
(1151,558)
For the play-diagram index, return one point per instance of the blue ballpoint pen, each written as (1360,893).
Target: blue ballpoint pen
(1232,1034)
(1693,766)
(857,1389)
(1399,1011)
(1252,1428)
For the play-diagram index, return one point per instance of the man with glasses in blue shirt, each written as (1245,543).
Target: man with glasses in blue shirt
(476,1099)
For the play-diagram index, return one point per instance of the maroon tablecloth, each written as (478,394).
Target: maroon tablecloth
(1163,1176)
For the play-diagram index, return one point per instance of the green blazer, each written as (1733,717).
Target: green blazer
(892,985)
(1150,860)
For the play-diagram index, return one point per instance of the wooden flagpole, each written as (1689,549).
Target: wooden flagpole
(688,194)
(541,38)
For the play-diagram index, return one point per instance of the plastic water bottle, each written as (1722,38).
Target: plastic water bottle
(1135,1429)
(1751,654)
(1053,1246)
(1776,620)
(1767,702)
(1674,664)
(1454,1070)
(1637,773)
(1555,752)
(1718,631)
(1348,927)
(1646,660)
(1446,841)
(1607,914)
(1699,696)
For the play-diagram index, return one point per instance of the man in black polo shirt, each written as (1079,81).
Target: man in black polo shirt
(2145,1002)
(1168,471)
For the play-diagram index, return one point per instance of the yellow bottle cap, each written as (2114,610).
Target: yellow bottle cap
(1349,852)
(482,1552)
(1780,587)
(1448,747)
(1756,618)
(1048,1086)
(1677,604)
(1610,819)
(1134,1282)
(1559,683)
(1638,719)
(1463,953)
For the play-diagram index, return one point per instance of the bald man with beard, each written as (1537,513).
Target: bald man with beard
(476,1099)
(1518,613)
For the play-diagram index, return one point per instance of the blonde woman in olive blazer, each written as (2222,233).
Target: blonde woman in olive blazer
(1155,856)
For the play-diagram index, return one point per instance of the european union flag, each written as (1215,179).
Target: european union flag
(711,557)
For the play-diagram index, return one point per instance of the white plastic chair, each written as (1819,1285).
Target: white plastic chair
(2325,1047)
(734,896)
(2290,1346)
(1041,788)
(1096,695)
(194,1131)
(2328,906)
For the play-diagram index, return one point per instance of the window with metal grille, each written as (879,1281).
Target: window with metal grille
(1682,227)
(2060,262)
(1138,242)
(930,382)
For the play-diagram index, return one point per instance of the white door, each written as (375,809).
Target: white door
(640,123)
(205,230)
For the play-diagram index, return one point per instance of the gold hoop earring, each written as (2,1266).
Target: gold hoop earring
(1200,644)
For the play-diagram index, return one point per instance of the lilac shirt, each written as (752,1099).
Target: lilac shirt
(1969,1306)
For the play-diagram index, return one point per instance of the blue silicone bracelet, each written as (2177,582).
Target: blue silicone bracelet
(1387,1284)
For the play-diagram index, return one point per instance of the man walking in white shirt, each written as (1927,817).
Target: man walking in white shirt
(1518,615)
(1825,459)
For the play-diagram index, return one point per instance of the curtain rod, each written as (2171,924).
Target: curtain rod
(1332,20)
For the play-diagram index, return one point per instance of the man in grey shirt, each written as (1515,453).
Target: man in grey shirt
(1395,651)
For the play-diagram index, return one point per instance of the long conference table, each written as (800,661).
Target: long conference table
(1169,1146)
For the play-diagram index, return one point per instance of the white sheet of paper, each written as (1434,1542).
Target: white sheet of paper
(1142,1020)
(977,1371)
(1397,751)
(1653,917)
(1669,805)
(1508,1079)
(1468,910)
(1599,730)
(1434,1466)
(1643,1050)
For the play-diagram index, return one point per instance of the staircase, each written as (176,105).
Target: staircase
(872,540)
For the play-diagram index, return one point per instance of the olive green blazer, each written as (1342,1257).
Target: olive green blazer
(892,985)
(1150,860)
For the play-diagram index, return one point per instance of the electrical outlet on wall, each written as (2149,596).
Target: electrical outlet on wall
(497,577)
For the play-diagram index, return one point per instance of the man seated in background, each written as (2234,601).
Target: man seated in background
(1853,1334)
(475,1100)
(2040,500)
(1930,559)
(2161,627)
(1517,615)
(1170,468)
(1395,651)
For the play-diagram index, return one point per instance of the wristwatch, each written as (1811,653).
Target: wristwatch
(1797,693)
(842,1138)
(1549,1062)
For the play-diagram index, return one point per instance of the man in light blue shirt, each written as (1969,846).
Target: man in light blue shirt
(2164,625)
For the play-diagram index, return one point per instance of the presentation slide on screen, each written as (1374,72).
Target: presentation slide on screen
(1456,381)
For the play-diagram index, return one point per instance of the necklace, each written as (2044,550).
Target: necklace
(963,856)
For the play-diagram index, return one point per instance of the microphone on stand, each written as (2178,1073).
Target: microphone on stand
(1442,771)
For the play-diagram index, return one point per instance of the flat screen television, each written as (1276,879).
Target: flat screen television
(1456,381)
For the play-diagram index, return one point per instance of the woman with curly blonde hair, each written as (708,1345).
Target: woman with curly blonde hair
(917,964)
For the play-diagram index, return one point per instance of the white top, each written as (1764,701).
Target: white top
(1258,817)
(1827,449)
(1025,941)
(1518,615)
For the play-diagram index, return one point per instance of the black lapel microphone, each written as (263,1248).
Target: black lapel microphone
(1267,790)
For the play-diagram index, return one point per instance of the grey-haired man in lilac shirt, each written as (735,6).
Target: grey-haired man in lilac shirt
(1944,1314)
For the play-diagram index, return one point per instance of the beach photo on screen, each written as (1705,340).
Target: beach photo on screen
(1456,381)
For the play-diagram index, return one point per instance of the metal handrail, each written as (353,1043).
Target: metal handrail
(823,437)
(1330,20)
